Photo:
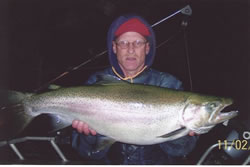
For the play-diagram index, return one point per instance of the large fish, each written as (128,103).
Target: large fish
(128,113)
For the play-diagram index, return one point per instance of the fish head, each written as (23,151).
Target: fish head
(202,113)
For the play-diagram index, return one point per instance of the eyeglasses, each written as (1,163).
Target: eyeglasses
(136,44)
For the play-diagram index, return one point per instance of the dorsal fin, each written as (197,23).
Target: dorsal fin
(108,79)
(54,87)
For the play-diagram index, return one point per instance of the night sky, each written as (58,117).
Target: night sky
(40,39)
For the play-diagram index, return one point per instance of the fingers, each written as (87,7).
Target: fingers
(93,132)
(82,127)
(191,133)
(75,123)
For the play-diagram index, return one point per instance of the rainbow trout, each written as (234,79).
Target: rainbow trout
(128,113)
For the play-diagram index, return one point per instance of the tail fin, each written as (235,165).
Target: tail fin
(10,97)
(13,118)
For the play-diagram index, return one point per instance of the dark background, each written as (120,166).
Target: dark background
(40,39)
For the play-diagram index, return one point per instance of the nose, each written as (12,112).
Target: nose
(131,48)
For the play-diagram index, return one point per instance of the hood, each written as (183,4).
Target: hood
(111,36)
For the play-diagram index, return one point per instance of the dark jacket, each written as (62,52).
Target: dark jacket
(165,153)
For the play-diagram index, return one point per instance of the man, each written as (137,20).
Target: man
(131,49)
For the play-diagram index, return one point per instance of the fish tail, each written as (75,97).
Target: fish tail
(13,117)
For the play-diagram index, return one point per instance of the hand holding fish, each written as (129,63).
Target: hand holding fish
(82,127)
(191,133)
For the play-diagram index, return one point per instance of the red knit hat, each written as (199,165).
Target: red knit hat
(133,25)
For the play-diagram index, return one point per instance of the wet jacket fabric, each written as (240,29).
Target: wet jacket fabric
(119,153)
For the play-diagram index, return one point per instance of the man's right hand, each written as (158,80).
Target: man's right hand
(82,127)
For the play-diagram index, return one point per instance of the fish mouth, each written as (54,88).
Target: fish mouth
(224,115)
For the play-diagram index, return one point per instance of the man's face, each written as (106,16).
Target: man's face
(131,49)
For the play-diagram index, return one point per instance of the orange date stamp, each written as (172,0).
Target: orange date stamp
(236,144)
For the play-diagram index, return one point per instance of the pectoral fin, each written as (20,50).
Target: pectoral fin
(175,132)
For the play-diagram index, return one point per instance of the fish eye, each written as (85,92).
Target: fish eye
(212,106)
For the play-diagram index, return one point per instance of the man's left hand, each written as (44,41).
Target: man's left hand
(191,133)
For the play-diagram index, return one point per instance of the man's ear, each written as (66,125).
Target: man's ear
(114,47)
(147,47)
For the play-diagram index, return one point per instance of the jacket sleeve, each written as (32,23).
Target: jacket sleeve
(169,81)
(85,146)
(179,147)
